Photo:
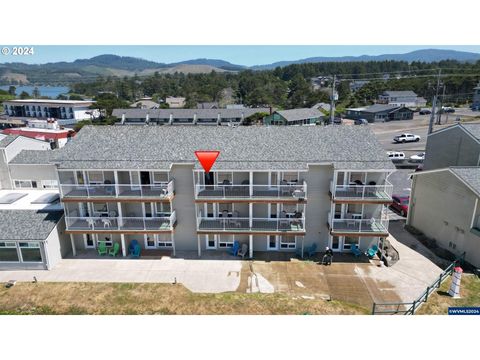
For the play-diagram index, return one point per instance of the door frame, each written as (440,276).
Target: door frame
(207,239)
(277,243)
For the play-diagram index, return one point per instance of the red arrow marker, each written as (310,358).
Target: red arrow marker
(207,158)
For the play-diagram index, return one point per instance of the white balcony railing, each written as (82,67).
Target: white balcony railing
(120,223)
(157,190)
(293,191)
(362,192)
(247,224)
(347,225)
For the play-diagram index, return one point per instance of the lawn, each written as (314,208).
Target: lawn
(439,302)
(112,298)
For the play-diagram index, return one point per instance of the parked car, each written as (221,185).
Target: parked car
(400,204)
(424,112)
(446,109)
(403,138)
(396,155)
(361,122)
(418,157)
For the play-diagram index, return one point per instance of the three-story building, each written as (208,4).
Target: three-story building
(271,188)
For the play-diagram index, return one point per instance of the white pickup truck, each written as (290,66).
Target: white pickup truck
(406,138)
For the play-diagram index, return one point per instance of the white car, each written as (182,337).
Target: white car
(418,157)
(406,138)
(396,155)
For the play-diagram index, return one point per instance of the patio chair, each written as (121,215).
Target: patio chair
(355,250)
(90,222)
(115,250)
(106,223)
(112,213)
(372,251)
(243,251)
(102,248)
(132,245)
(136,252)
(308,251)
(234,249)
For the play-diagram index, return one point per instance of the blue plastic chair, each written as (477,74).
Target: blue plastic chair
(308,251)
(371,252)
(234,249)
(136,252)
(131,247)
(355,250)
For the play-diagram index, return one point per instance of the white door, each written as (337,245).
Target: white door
(150,241)
(272,242)
(89,241)
(336,243)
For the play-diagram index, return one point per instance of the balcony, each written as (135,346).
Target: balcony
(294,192)
(366,227)
(362,193)
(243,224)
(164,190)
(120,224)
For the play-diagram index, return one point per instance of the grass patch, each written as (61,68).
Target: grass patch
(45,298)
(439,302)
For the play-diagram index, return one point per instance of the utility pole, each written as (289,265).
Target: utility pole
(434,104)
(332,101)
(439,117)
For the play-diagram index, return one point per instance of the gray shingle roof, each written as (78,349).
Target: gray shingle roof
(33,157)
(470,175)
(243,147)
(300,114)
(399,93)
(27,224)
(7,141)
(186,113)
(473,129)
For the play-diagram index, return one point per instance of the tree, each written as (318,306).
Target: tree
(62,97)
(75,97)
(108,102)
(24,95)
(12,90)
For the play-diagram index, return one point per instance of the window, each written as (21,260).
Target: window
(95,177)
(164,244)
(210,241)
(349,241)
(30,251)
(225,241)
(105,239)
(25,184)
(288,242)
(100,209)
(8,251)
(50,184)
(272,242)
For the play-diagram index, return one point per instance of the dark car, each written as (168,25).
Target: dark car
(400,204)
(361,122)
(425,112)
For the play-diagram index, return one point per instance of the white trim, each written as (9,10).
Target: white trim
(277,243)
(452,127)
(474,215)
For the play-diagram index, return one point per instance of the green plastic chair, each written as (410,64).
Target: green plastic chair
(102,248)
(114,252)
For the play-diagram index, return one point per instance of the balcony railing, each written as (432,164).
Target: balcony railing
(255,224)
(120,223)
(158,190)
(362,192)
(372,225)
(293,191)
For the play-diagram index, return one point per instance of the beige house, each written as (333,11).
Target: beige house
(445,206)
(175,102)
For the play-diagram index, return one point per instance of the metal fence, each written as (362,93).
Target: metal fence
(409,308)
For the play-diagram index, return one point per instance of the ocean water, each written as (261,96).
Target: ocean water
(50,91)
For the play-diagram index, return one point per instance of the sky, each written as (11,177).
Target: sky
(236,54)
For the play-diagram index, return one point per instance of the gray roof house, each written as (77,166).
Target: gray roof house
(303,116)
(380,113)
(271,188)
(185,116)
(399,98)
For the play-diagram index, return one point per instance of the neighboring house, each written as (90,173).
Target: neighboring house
(145,103)
(33,169)
(10,147)
(66,112)
(45,130)
(476,97)
(421,102)
(32,231)
(445,206)
(303,116)
(207,105)
(175,102)
(380,113)
(322,107)
(186,116)
(456,145)
(356,85)
(445,196)
(274,189)
(400,98)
